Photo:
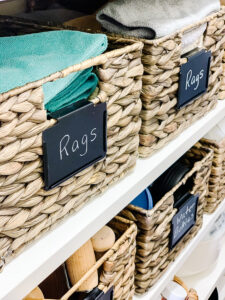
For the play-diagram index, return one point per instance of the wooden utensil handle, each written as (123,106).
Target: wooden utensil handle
(79,263)
(36,293)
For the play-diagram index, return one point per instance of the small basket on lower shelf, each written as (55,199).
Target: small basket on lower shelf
(115,268)
(154,251)
(217,177)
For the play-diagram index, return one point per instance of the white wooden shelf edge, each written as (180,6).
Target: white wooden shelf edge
(42,257)
(155,291)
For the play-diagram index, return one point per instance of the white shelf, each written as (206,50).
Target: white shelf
(155,291)
(204,283)
(45,255)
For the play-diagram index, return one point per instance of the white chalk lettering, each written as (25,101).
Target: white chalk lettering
(85,142)
(93,134)
(193,80)
(75,146)
(184,220)
(69,145)
(67,138)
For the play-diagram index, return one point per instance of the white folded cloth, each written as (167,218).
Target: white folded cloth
(153,18)
(193,38)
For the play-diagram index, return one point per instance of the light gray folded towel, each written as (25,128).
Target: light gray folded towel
(153,18)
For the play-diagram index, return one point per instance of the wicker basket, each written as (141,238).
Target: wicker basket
(217,177)
(118,263)
(26,209)
(115,269)
(154,226)
(162,58)
(161,122)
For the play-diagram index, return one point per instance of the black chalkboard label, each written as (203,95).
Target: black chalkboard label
(97,294)
(194,77)
(107,296)
(184,220)
(77,141)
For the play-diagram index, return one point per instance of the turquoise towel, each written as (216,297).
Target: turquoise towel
(81,87)
(31,57)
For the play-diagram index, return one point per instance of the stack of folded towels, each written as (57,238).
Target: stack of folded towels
(28,58)
(151,19)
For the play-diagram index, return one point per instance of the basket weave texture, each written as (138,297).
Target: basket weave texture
(118,264)
(26,209)
(162,59)
(154,226)
(217,177)
(222,87)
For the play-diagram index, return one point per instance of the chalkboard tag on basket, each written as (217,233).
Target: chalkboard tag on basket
(101,295)
(106,296)
(95,294)
(184,219)
(194,76)
(75,142)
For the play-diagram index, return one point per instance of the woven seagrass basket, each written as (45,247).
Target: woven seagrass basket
(162,59)
(217,177)
(26,209)
(116,268)
(154,226)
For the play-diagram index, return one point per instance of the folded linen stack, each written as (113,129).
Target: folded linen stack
(32,57)
(151,19)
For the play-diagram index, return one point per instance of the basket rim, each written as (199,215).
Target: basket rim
(178,33)
(220,144)
(196,167)
(95,61)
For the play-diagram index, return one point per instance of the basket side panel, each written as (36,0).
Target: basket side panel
(217,177)
(118,269)
(27,209)
(161,122)
(154,226)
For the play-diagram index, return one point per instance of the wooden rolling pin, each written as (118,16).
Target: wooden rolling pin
(79,263)
(103,240)
(36,294)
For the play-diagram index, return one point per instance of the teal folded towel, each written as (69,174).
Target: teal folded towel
(81,86)
(31,57)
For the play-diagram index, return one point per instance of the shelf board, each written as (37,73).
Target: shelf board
(155,291)
(43,256)
(205,282)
